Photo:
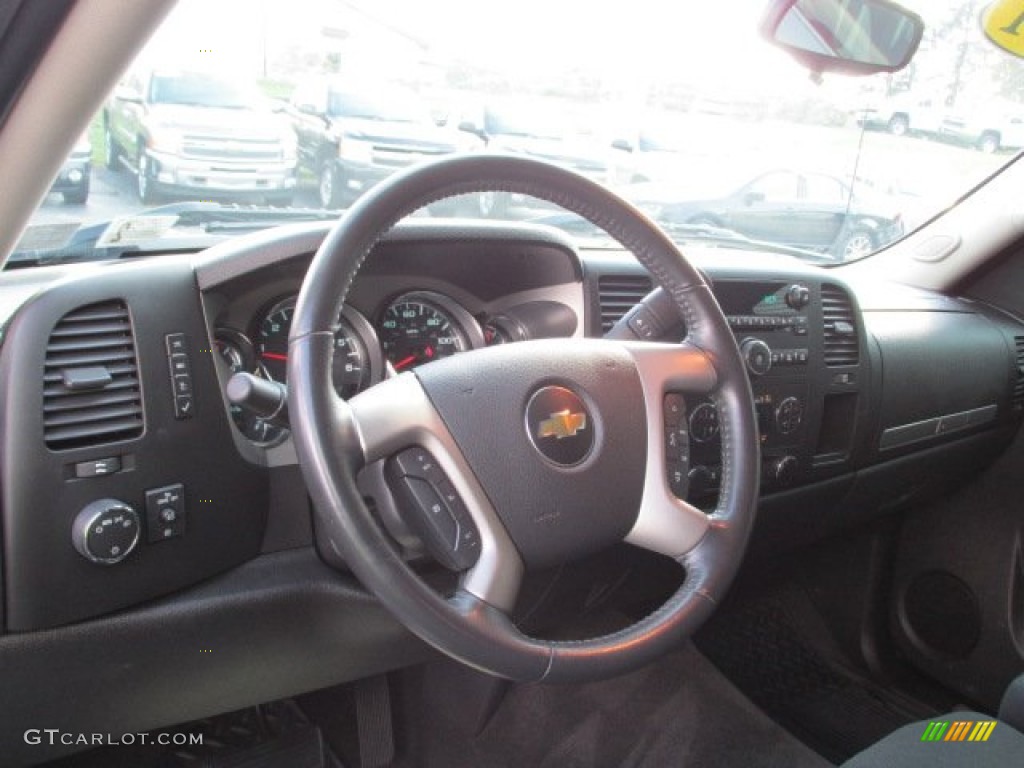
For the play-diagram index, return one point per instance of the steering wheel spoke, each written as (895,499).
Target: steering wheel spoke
(668,374)
(396,415)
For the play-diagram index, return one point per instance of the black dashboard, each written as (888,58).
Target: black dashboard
(116,416)
(128,477)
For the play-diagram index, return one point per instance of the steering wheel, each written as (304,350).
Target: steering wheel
(540,451)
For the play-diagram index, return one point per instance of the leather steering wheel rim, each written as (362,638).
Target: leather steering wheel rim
(332,442)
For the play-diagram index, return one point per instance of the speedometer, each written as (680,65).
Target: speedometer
(416,328)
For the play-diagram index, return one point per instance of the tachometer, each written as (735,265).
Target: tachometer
(416,328)
(353,364)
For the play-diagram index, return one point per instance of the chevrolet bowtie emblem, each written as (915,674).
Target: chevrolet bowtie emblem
(562,424)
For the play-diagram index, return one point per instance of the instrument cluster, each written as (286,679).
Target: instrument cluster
(408,330)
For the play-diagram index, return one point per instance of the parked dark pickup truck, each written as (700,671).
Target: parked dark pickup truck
(350,140)
(199,135)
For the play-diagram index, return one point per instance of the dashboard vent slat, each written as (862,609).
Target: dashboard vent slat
(97,335)
(1018,381)
(840,327)
(618,294)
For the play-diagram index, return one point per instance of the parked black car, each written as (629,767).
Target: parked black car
(811,211)
(349,140)
(73,180)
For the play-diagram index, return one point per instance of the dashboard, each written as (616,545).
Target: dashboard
(136,496)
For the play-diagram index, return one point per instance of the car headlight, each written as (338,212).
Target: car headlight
(356,150)
(166,140)
(289,147)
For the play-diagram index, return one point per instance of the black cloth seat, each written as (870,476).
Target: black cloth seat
(904,748)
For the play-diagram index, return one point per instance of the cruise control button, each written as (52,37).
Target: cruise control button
(675,409)
(678,478)
(677,443)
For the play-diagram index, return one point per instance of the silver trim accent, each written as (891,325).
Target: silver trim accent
(89,515)
(397,414)
(665,524)
(907,434)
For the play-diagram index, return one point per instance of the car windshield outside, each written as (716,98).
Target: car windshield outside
(201,90)
(685,110)
(392,108)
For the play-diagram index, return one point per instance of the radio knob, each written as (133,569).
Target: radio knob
(798,296)
(105,531)
(782,471)
(757,355)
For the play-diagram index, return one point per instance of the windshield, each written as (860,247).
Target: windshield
(200,90)
(372,106)
(683,109)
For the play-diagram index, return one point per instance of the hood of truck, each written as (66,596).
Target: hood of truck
(581,155)
(252,124)
(425,136)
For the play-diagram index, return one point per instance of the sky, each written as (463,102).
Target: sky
(713,43)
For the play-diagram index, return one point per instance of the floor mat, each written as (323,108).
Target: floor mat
(679,711)
(761,646)
(276,735)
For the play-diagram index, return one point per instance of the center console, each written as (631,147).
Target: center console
(801,343)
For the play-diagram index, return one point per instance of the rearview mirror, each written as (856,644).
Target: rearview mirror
(850,36)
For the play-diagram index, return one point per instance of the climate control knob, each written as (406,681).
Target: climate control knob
(106,531)
(757,355)
(782,471)
(789,415)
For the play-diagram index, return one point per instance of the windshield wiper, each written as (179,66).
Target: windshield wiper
(729,238)
(682,233)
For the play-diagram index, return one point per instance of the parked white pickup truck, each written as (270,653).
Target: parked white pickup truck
(988,129)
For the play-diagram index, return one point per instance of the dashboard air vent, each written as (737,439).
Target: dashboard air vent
(91,392)
(1018,381)
(618,294)
(840,324)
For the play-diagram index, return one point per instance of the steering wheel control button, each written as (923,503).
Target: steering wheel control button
(165,513)
(560,426)
(106,531)
(677,444)
(675,409)
(678,478)
(643,324)
(434,509)
(418,462)
(98,467)
(181,375)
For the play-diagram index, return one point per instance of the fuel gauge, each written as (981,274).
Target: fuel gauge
(236,351)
